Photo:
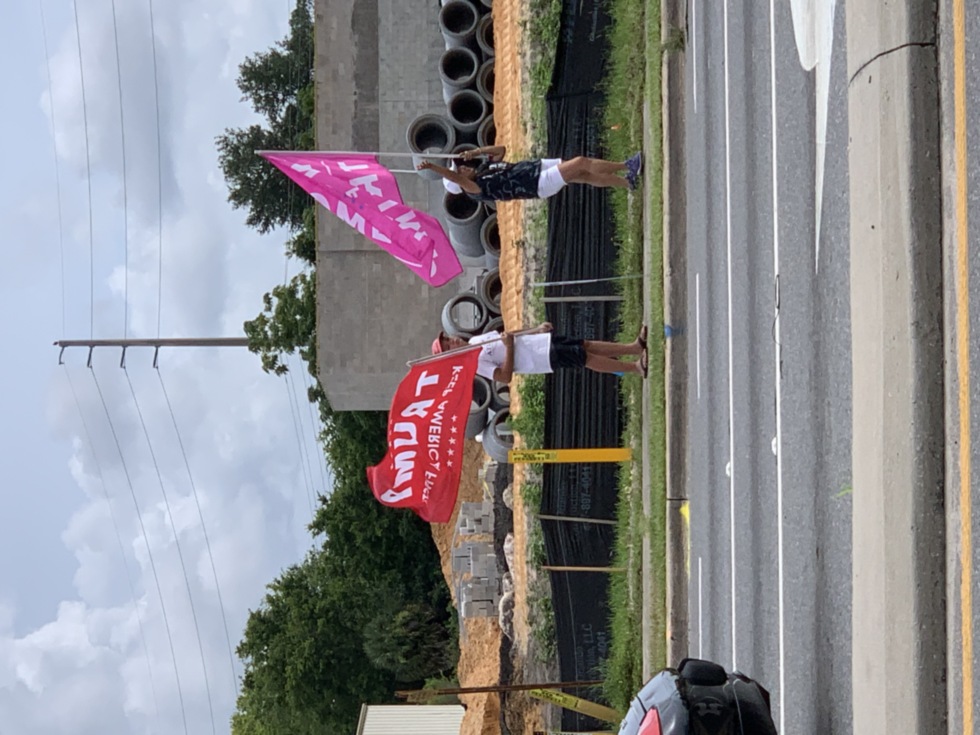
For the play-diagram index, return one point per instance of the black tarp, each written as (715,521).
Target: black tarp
(582,407)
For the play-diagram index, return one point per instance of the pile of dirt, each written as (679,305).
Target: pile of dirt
(479,638)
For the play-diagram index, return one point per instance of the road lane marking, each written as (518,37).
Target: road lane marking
(694,48)
(731,390)
(963,358)
(697,327)
(700,617)
(778,440)
(813,28)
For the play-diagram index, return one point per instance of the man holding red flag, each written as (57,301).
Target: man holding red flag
(540,351)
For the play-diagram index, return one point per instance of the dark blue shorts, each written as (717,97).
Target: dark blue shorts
(566,352)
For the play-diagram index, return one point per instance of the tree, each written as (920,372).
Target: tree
(413,643)
(272,199)
(279,84)
(305,669)
(287,324)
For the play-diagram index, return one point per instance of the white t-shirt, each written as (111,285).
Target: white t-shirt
(532,353)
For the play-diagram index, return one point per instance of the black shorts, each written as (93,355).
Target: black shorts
(566,352)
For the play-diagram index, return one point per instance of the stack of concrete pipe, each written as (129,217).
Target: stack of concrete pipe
(466,315)
(466,71)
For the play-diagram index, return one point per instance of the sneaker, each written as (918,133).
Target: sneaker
(634,167)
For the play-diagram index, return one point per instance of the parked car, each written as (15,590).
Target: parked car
(699,698)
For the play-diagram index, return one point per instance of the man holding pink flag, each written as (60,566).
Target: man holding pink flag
(365,195)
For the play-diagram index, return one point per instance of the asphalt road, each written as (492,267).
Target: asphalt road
(769,400)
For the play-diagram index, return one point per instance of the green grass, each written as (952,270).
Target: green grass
(624,131)
(624,134)
(544,21)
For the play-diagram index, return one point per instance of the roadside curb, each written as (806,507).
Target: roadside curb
(898,586)
(674,265)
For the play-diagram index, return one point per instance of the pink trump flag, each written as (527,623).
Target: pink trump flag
(365,195)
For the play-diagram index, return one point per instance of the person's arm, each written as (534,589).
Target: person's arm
(493,152)
(505,372)
(467,185)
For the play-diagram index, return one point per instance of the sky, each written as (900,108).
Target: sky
(121,566)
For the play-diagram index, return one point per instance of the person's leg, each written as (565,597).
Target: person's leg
(591,171)
(617,349)
(611,349)
(602,166)
(602,364)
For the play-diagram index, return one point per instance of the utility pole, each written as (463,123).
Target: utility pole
(156,344)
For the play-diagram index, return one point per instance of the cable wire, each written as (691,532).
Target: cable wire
(156,104)
(115,528)
(88,178)
(149,550)
(321,460)
(307,474)
(57,168)
(125,183)
(180,553)
(200,514)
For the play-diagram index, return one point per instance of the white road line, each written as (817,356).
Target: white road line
(700,616)
(694,48)
(779,380)
(731,390)
(697,327)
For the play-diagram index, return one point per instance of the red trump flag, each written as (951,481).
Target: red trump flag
(426,427)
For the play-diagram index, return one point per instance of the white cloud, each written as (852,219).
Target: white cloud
(103,662)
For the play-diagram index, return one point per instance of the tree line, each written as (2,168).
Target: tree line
(367,609)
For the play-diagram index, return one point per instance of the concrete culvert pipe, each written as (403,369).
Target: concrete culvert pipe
(500,400)
(479,406)
(457,70)
(484,81)
(491,289)
(484,35)
(465,217)
(496,324)
(487,132)
(467,109)
(457,22)
(464,315)
(430,133)
(488,4)
(498,438)
(490,240)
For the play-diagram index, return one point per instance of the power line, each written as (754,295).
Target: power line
(88,176)
(115,528)
(122,136)
(207,542)
(156,102)
(305,447)
(149,550)
(57,166)
(307,474)
(321,462)
(180,553)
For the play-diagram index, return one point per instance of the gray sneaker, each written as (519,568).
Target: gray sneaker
(634,167)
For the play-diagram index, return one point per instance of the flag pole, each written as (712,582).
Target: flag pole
(465,348)
(402,154)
